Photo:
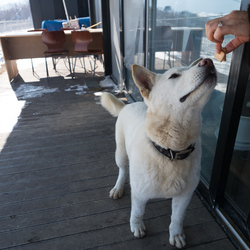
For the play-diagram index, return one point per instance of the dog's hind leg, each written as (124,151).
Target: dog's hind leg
(122,162)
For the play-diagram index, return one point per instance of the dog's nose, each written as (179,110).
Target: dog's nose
(206,61)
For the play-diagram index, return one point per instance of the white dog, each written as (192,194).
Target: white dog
(160,139)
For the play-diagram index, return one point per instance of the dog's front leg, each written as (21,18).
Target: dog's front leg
(136,219)
(117,191)
(179,206)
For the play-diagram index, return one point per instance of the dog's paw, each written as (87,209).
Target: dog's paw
(138,229)
(177,240)
(176,235)
(116,193)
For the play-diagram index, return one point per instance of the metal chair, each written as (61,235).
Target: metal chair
(96,48)
(163,42)
(54,41)
(81,40)
(85,45)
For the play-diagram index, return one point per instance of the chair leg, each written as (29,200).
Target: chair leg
(173,59)
(90,64)
(54,63)
(169,59)
(70,68)
(102,60)
(164,60)
(74,65)
(84,65)
(94,67)
(33,71)
(47,71)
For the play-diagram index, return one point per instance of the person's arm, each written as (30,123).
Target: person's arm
(236,23)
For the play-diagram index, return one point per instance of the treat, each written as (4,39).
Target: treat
(222,56)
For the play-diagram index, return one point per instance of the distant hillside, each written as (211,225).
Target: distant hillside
(20,11)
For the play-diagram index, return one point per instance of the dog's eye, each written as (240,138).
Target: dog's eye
(174,76)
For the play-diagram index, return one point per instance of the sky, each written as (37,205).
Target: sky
(199,6)
(194,6)
(4,2)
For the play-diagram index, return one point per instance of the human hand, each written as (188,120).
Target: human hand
(235,23)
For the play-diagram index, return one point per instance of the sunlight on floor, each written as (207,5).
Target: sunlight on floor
(26,63)
(10,109)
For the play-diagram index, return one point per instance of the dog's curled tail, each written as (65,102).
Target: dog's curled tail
(112,104)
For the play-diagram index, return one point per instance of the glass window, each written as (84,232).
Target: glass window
(134,22)
(177,38)
(238,183)
(115,41)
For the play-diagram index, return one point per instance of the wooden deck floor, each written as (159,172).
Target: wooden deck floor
(57,167)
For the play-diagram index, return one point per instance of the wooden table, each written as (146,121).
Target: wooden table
(29,45)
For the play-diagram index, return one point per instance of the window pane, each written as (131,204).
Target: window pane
(238,184)
(176,38)
(134,20)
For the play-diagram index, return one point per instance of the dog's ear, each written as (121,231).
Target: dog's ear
(144,79)
(195,62)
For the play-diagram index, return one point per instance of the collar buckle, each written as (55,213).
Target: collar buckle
(175,155)
(172,156)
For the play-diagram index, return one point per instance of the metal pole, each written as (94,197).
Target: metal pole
(92,12)
(66,11)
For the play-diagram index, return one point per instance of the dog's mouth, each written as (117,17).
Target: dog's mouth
(209,78)
(184,98)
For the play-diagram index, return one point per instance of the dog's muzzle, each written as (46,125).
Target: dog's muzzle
(210,72)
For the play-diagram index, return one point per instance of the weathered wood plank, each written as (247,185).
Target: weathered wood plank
(107,232)
(16,167)
(87,206)
(56,186)
(50,202)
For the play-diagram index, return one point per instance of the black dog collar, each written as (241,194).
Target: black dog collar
(175,155)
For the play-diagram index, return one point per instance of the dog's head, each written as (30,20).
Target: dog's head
(178,88)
